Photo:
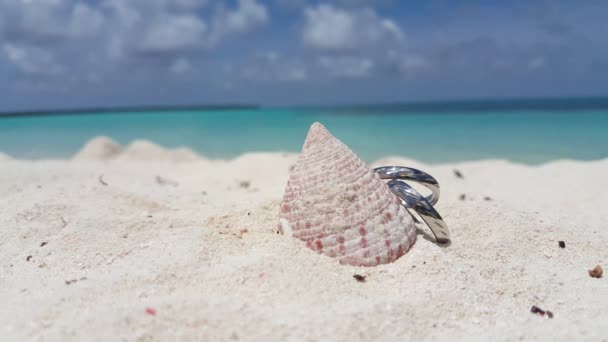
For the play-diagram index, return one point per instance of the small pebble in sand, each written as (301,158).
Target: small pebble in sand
(29,257)
(359,278)
(165,181)
(536,310)
(151,311)
(596,272)
(102,181)
(487,198)
(561,244)
(463,197)
(245,184)
(458,174)
(44,243)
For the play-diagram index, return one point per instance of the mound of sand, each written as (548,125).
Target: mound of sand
(99,148)
(144,150)
(104,148)
(183,154)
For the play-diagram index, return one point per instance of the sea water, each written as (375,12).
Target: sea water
(430,135)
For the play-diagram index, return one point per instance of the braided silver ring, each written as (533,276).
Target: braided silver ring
(412,199)
(414,175)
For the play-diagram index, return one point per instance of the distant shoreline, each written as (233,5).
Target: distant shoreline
(483,105)
(480,105)
(134,109)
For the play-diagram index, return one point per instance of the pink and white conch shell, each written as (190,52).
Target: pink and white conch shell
(341,208)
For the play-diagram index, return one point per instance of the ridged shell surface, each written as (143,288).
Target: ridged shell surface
(341,208)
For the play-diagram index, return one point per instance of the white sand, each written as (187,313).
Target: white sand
(198,246)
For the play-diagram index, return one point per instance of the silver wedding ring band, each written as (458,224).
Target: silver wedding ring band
(414,175)
(412,199)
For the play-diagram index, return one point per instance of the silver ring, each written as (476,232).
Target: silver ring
(411,198)
(414,175)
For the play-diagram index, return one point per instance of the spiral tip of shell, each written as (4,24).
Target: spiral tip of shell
(316,134)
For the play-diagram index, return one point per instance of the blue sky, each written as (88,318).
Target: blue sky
(91,53)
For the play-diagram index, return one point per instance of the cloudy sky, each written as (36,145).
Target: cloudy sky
(90,53)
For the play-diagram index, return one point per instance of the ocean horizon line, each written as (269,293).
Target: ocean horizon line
(130,109)
(427,106)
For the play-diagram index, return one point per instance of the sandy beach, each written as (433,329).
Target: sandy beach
(143,243)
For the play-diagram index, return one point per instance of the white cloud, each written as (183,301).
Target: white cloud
(536,63)
(149,6)
(33,20)
(174,33)
(181,65)
(270,66)
(150,27)
(126,15)
(44,20)
(93,77)
(175,26)
(413,63)
(32,60)
(294,74)
(271,56)
(327,27)
(408,64)
(186,4)
(255,72)
(347,67)
(160,31)
(247,15)
(85,20)
(392,28)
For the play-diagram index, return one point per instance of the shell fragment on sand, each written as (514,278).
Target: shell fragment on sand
(341,208)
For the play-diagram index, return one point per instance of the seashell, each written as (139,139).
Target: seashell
(341,208)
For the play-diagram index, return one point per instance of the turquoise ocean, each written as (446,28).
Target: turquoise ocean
(530,132)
